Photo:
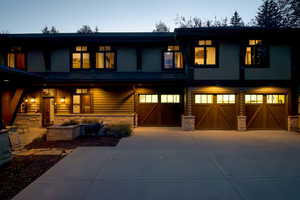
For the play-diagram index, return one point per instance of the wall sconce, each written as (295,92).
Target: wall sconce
(26,100)
(32,100)
(62,100)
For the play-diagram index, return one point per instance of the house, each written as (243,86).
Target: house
(201,78)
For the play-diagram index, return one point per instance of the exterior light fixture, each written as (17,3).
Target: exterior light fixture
(32,100)
(62,100)
(26,100)
(6,80)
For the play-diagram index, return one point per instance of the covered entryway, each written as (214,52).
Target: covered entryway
(215,111)
(266,111)
(159,109)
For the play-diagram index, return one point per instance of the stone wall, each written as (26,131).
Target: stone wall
(188,122)
(242,123)
(293,123)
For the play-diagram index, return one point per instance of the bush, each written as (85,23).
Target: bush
(119,130)
(70,123)
(89,121)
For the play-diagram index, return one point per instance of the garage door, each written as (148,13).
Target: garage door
(215,111)
(266,111)
(159,109)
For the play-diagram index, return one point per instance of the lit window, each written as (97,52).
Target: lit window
(148,98)
(203,98)
(16,58)
(170,98)
(226,99)
(275,99)
(81,91)
(253,99)
(105,58)
(205,53)
(81,58)
(82,101)
(173,58)
(255,53)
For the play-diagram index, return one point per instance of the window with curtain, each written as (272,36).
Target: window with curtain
(205,53)
(105,58)
(173,58)
(256,54)
(81,58)
(82,101)
(16,58)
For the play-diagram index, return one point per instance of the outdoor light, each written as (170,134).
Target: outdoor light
(32,100)
(26,100)
(63,100)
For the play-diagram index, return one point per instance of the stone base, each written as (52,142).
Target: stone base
(293,123)
(5,154)
(188,122)
(63,133)
(242,123)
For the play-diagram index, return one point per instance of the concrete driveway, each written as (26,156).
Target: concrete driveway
(167,163)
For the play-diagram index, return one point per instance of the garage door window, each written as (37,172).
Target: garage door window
(226,99)
(253,99)
(148,98)
(203,98)
(276,99)
(170,98)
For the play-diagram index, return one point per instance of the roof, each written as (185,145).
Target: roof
(7,73)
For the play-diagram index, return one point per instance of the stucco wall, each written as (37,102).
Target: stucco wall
(60,60)
(279,68)
(228,69)
(126,59)
(151,59)
(35,61)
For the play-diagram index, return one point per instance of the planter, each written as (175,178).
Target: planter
(5,153)
(63,133)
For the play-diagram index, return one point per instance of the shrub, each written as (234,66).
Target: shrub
(70,123)
(119,130)
(89,121)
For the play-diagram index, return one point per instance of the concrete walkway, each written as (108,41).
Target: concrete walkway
(167,163)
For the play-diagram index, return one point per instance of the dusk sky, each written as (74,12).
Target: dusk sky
(29,16)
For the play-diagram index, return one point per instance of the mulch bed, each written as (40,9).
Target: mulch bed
(23,170)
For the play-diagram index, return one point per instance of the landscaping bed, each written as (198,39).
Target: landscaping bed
(40,156)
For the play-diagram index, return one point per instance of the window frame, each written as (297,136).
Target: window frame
(112,50)
(263,44)
(204,94)
(16,50)
(252,94)
(276,94)
(166,50)
(73,50)
(158,98)
(173,95)
(81,94)
(215,44)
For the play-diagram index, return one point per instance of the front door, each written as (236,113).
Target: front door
(48,112)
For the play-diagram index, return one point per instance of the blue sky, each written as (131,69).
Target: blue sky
(29,16)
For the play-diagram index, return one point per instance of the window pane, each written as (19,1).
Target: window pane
(275,99)
(11,60)
(105,48)
(203,98)
(248,56)
(178,60)
(148,98)
(142,98)
(211,55)
(20,61)
(226,99)
(76,60)
(100,60)
(154,98)
(110,60)
(170,98)
(76,99)
(164,98)
(168,60)
(253,99)
(260,55)
(199,55)
(86,60)
(86,104)
(173,48)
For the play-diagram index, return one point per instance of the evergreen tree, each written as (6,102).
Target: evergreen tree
(269,15)
(161,27)
(295,13)
(48,30)
(85,29)
(236,20)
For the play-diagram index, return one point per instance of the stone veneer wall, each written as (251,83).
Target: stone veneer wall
(106,118)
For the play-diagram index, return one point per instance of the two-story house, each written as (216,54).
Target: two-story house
(204,78)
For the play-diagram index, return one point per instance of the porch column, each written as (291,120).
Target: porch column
(188,120)
(241,118)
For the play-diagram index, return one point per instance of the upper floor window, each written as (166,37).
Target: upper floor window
(256,53)
(173,58)
(105,58)
(81,58)
(16,58)
(205,53)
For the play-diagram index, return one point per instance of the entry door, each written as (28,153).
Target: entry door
(215,111)
(48,112)
(266,111)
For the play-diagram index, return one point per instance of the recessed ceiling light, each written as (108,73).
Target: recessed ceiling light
(6,80)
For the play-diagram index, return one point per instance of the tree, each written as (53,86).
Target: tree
(295,13)
(269,15)
(85,29)
(96,29)
(236,20)
(183,22)
(48,30)
(161,27)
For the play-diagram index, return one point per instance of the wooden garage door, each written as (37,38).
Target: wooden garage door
(215,111)
(159,110)
(266,111)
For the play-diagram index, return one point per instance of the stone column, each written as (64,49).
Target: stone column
(242,118)
(293,122)
(188,120)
